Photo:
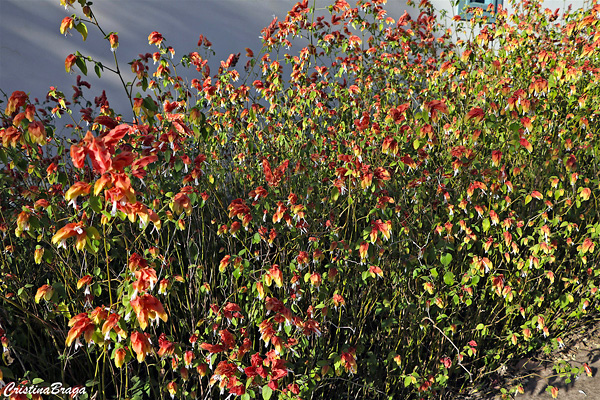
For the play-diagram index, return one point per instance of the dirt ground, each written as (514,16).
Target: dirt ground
(581,346)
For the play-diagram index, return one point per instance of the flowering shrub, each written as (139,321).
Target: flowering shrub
(387,213)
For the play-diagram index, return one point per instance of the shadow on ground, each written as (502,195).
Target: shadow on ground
(537,373)
(581,347)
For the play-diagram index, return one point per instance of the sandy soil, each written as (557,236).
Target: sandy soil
(582,346)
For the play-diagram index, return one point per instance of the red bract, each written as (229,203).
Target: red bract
(146,278)
(476,114)
(212,348)
(120,354)
(525,143)
(10,136)
(16,101)
(66,24)
(37,132)
(232,310)
(227,338)
(274,177)
(147,307)
(434,108)
(45,292)
(181,202)
(112,323)
(166,347)
(85,281)
(349,360)
(99,155)
(155,38)
(225,369)
(224,263)
(278,369)
(380,227)
(72,229)
(136,261)
(114,41)
(78,189)
(80,324)
(140,345)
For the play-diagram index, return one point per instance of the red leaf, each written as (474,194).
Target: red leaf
(106,121)
(16,101)
(115,134)
(138,165)
(525,143)
(435,107)
(212,348)
(496,157)
(274,177)
(476,114)
(101,160)
(122,160)
(78,154)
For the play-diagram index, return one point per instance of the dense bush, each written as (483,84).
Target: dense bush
(400,214)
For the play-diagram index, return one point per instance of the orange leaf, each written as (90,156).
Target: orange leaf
(115,134)
(69,62)
(106,121)
(585,194)
(537,195)
(525,143)
(587,245)
(477,114)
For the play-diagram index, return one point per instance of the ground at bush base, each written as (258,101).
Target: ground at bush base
(582,346)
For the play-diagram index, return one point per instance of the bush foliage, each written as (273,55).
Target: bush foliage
(396,210)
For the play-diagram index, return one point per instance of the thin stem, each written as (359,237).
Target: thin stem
(453,345)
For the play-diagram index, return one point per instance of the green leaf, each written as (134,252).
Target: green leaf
(95,203)
(7,373)
(365,275)
(456,300)
(485,224)
(149,104)
(178,165)
(93,232)
(266,392)
(449,278)
(81,28)
(97,69)
(446,259)
(81,65)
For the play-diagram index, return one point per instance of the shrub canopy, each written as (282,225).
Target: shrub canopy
(389,212)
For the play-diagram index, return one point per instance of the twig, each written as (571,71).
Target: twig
(453,345)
